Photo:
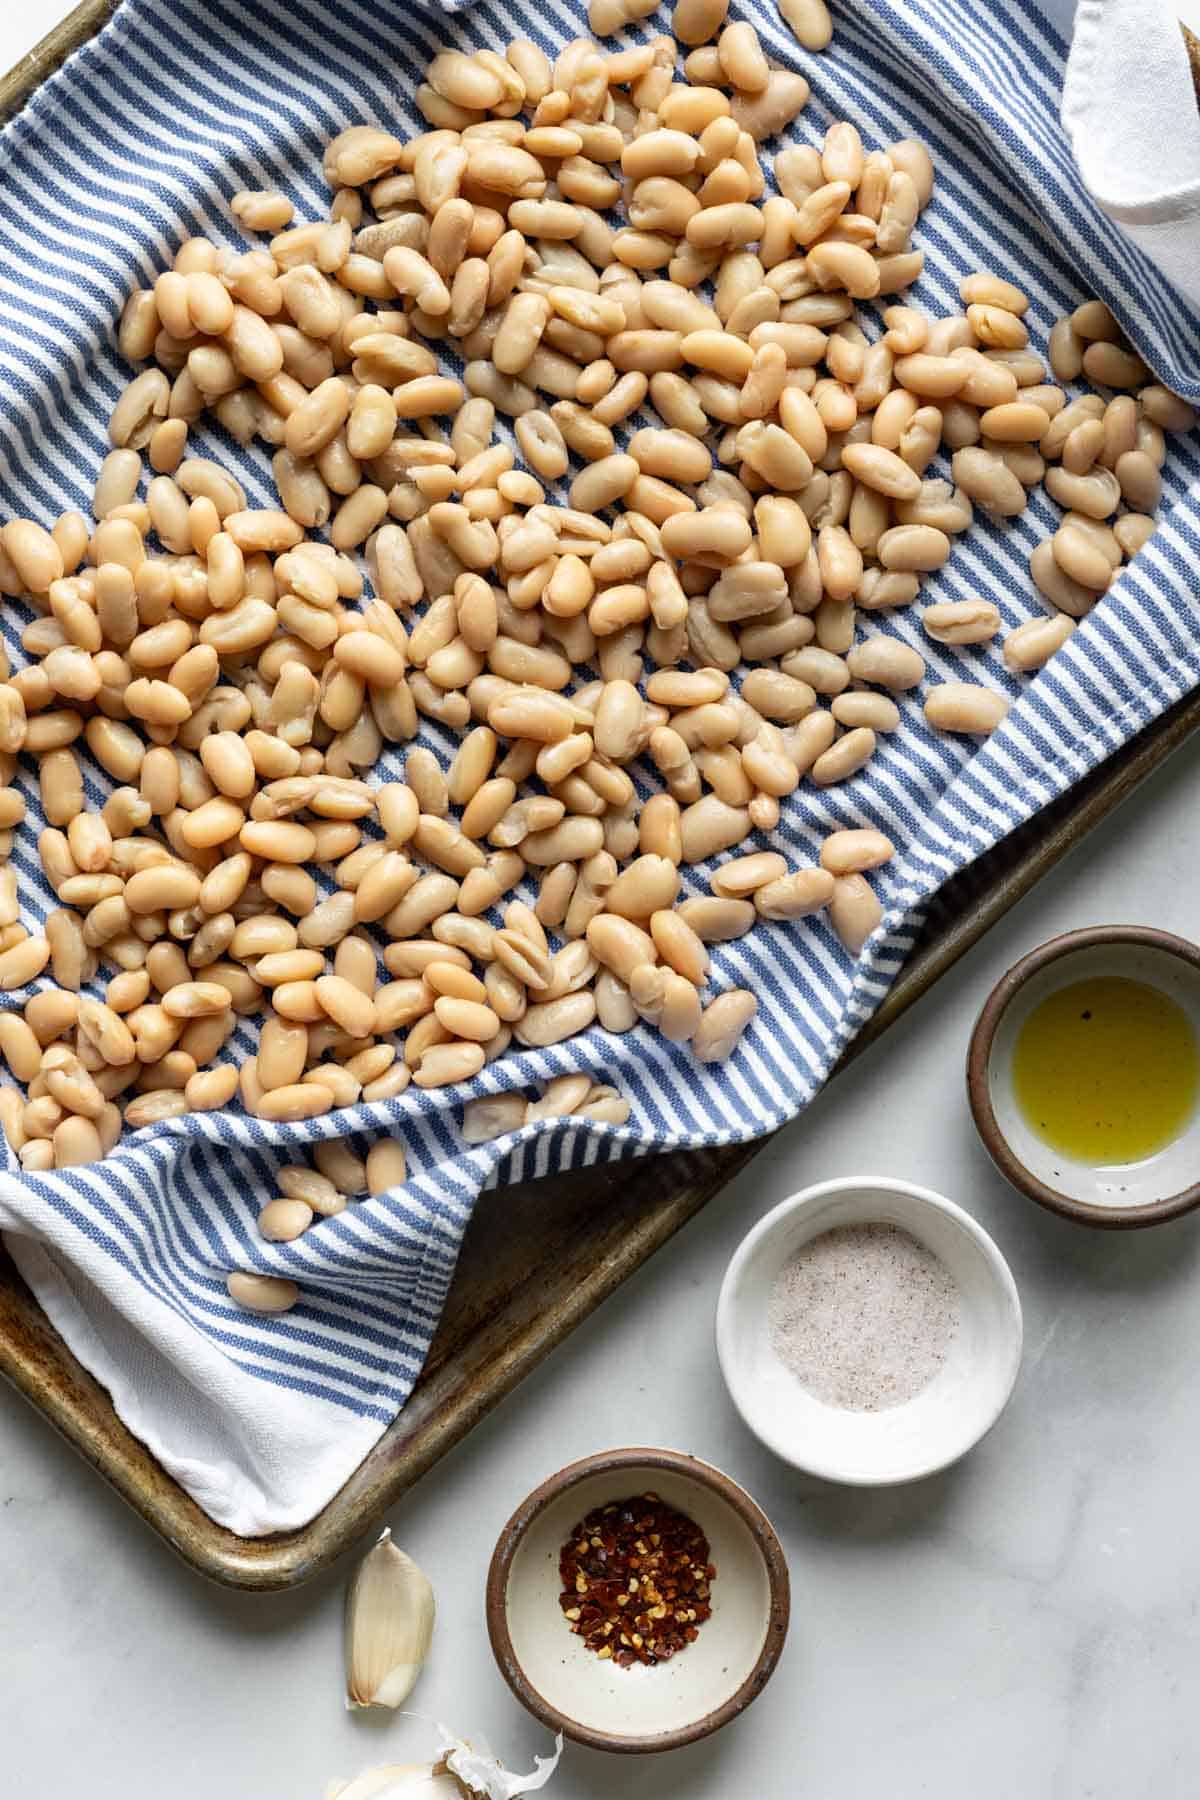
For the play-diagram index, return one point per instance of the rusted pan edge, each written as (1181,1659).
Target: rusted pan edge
(21,83)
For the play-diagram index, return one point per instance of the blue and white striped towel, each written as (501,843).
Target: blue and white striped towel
(139,142)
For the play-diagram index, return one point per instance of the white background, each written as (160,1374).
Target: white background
(1027,1624)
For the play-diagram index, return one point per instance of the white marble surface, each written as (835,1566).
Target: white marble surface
(1025,1624)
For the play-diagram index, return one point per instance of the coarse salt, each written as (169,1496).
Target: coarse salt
(863,1316)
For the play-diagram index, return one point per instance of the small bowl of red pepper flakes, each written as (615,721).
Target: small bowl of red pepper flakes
(637,1600)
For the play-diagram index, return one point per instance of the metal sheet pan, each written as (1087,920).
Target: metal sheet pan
(534,1267)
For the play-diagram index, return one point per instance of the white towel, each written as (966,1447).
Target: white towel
(1130,111)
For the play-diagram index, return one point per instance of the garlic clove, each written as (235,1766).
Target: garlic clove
(400,1781)
(389,1624)
(464,1771)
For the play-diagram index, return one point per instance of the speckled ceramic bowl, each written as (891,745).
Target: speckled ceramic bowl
(1125,1195)
(638,1709)
(899,1443)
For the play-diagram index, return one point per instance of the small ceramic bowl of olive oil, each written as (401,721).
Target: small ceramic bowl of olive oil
(1084,1075)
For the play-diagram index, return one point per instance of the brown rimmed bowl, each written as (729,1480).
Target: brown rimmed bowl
(1121,1196)
(638,1709)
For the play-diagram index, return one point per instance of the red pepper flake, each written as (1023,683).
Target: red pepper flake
(635,1580)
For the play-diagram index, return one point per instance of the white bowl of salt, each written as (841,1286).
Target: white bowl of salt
(869,1331)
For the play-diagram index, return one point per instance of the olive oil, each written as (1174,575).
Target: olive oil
(1107,1070)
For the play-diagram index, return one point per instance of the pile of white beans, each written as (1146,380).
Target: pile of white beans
(229,674)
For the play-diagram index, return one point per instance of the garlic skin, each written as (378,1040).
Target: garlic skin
(389,1624)
(462,1772)
(482,1773)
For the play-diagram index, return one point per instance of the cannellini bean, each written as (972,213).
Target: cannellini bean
(282,1220)
(721,1025)
(493,1117)
(262,1293)
(959,706)
(961,621)
(887,662)
(1032,645)
(794,896)
(854,911)
(852,851)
